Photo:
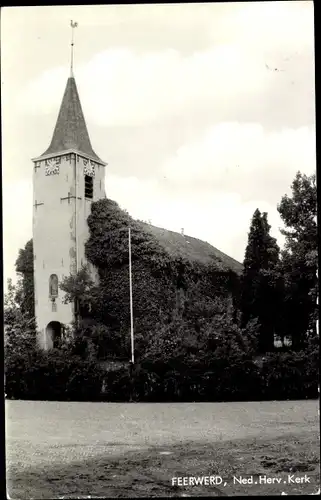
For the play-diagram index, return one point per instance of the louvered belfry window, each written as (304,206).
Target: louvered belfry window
(53,286)
(89,187)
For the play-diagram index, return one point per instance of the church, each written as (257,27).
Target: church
(67,178)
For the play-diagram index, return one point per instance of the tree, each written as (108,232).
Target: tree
(19,328)
(25,291)
(19,318)
(11,309)
(79,288)
(261,282)
(299,259)
(92,336)
(19,313)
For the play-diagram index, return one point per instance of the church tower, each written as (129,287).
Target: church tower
(67,178)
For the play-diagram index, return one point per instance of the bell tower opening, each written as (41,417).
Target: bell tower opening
(89,187)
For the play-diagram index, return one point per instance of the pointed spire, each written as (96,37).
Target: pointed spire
(71,129)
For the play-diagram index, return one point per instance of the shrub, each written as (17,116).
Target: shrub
(235,378)
(117,385)
(291,375)
(52,375)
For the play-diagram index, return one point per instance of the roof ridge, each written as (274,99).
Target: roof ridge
(225,259)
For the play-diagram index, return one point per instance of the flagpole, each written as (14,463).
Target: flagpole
(131,297)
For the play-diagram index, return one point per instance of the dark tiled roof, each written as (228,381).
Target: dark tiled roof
(71,129)
(184,246)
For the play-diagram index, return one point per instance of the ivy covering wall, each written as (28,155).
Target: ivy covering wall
(164,282)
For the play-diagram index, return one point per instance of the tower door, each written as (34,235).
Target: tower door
(53,333)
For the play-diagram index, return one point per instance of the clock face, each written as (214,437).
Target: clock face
(89,170)
(52,167)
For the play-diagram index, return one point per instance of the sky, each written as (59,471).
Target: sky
(203,112)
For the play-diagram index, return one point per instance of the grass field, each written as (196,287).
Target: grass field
(120,450)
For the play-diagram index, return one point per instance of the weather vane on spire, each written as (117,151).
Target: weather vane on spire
(73,25)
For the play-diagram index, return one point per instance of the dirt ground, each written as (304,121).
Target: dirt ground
(245,448)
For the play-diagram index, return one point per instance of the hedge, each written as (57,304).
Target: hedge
(52,375)
(57,375)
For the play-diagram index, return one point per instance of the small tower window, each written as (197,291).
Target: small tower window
(53,286)
(89,187)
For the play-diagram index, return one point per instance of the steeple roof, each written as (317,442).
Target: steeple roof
(71,129)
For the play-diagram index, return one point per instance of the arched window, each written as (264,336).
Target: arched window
(53,286)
